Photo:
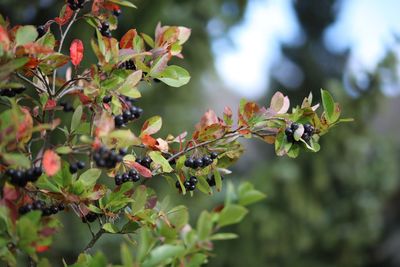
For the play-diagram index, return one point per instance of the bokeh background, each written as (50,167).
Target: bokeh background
(339,207)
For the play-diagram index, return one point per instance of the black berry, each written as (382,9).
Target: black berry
(193,179)
(73,168)
(119,121)
(117,12)
(80,165)
(189,163)
(118,179)
(41,30)
(213,155)
(107,99)
(198,163)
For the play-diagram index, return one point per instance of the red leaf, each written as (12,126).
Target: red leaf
(127,39)
(111,6)
(40,249)
(143,171)
(51,162)
(4,39)
(65,16)
(76,52)
(50,104)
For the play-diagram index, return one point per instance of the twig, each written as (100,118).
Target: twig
(63,35)
(69,90)
(30,82)
(225,136)
(94,240)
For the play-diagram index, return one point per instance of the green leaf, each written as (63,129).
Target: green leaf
(25,34)
(148,40)
(231,214)
(203,185)
(126,256)
(160,160)
(178,216)
(163,255)
(139,199)
(89,177)
(123,3)
(204,225)
(130,227)
(76,118)
(128,88)
(332,109)
(175,76)
(151,126)
(116,106)
(218,180)
(248,195)
(15,160)
(224,236)
(63,150)
(11,66)
(110,228)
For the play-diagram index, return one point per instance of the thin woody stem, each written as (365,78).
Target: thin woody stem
(63,35)
(188,149)
(93,241)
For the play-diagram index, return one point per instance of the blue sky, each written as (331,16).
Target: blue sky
(365,27)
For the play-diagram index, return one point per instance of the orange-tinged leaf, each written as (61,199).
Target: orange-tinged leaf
(209,118)
(76,52)
(96,6)
(149,141)
(127,39)
(65,15)
(51,162)
(25,127)
(143,171)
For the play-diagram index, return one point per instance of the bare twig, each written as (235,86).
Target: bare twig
(63,35)
(93,240)
(30,82)
(188,149)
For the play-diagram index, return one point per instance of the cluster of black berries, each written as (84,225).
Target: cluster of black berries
(189,184)
(11,92)
(41,205)
(75,5)
(308,132)
(129,65)
(22,177)
(105,157)
(204,161)
(128,115)
(67,107)
(74,167)
(90,217)
(131,175)
(145,161)
(105,29)
(41,29)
